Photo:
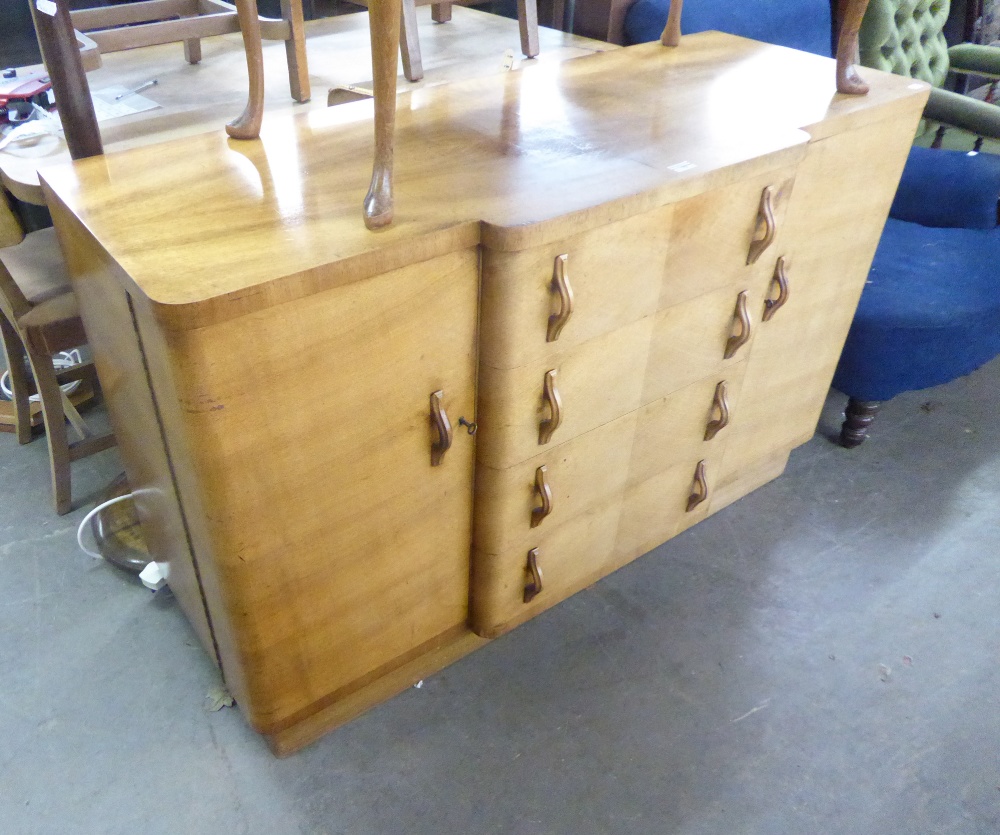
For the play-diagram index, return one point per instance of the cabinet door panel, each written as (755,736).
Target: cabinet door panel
(338,548)
(580,473)
(615,273)
(711,235)
(569,557)
(597,382)
(835,219)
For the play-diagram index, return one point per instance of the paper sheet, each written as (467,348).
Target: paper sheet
(106,107)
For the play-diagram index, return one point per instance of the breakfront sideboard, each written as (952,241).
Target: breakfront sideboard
(611,303)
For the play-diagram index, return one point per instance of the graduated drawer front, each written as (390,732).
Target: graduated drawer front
(670,441)
(689,340)
(711,235)
(569,557)
(579,474)
(596,382)
(615,274)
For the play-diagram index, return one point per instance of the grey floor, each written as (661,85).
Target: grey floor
(821,657)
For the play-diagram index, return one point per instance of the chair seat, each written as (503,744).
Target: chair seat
(37,266)
(929,313)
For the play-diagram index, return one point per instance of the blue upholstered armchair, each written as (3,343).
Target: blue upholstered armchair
(800,24)
(930,311)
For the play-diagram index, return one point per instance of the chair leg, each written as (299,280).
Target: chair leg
(295,50)
(441,12)
(55,426)
(409,42)
(13,350)
(192,50)
(527,19)
(858,416)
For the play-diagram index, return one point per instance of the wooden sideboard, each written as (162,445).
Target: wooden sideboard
(623,280)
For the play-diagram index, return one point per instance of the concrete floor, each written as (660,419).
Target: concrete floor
(821,657)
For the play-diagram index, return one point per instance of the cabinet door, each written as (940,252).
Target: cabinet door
(840,200)
(339,552)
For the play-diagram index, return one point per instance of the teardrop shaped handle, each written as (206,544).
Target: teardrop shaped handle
(439,418)
(720,403)
(551,396)
(544,493)
(772,306)
(534,585)
(561,285)
(765,215)
(699,492)
(742,316)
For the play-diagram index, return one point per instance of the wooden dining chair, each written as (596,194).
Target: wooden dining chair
(39,319)
(136,24)
(409,42)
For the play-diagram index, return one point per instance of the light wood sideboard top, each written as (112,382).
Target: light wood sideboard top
(208,228)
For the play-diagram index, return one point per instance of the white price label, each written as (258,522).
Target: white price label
(46,7)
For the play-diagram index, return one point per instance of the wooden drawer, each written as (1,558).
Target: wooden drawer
(569,557)
(596,383)
(579,474)
(614,272)
(711,235)
(689,341)
(671,437)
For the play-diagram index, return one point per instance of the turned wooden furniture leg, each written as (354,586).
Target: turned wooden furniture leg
(61,55)
(527,21)
(295,50)
(409,42)
(441,12)
(858,416)
(672,31)
(13,350)
(247,125)
(384,17)
(848,80)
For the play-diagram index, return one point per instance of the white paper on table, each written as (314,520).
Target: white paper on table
(106,107)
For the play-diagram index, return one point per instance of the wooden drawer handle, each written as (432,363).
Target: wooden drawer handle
(772,306)
(561,285)
(742,317)
(720,403)
(545,494)
(554,402)
(534,585)
(699,492)
(443,426)
(765,215)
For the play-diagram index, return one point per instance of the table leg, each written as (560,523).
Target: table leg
(384,17)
